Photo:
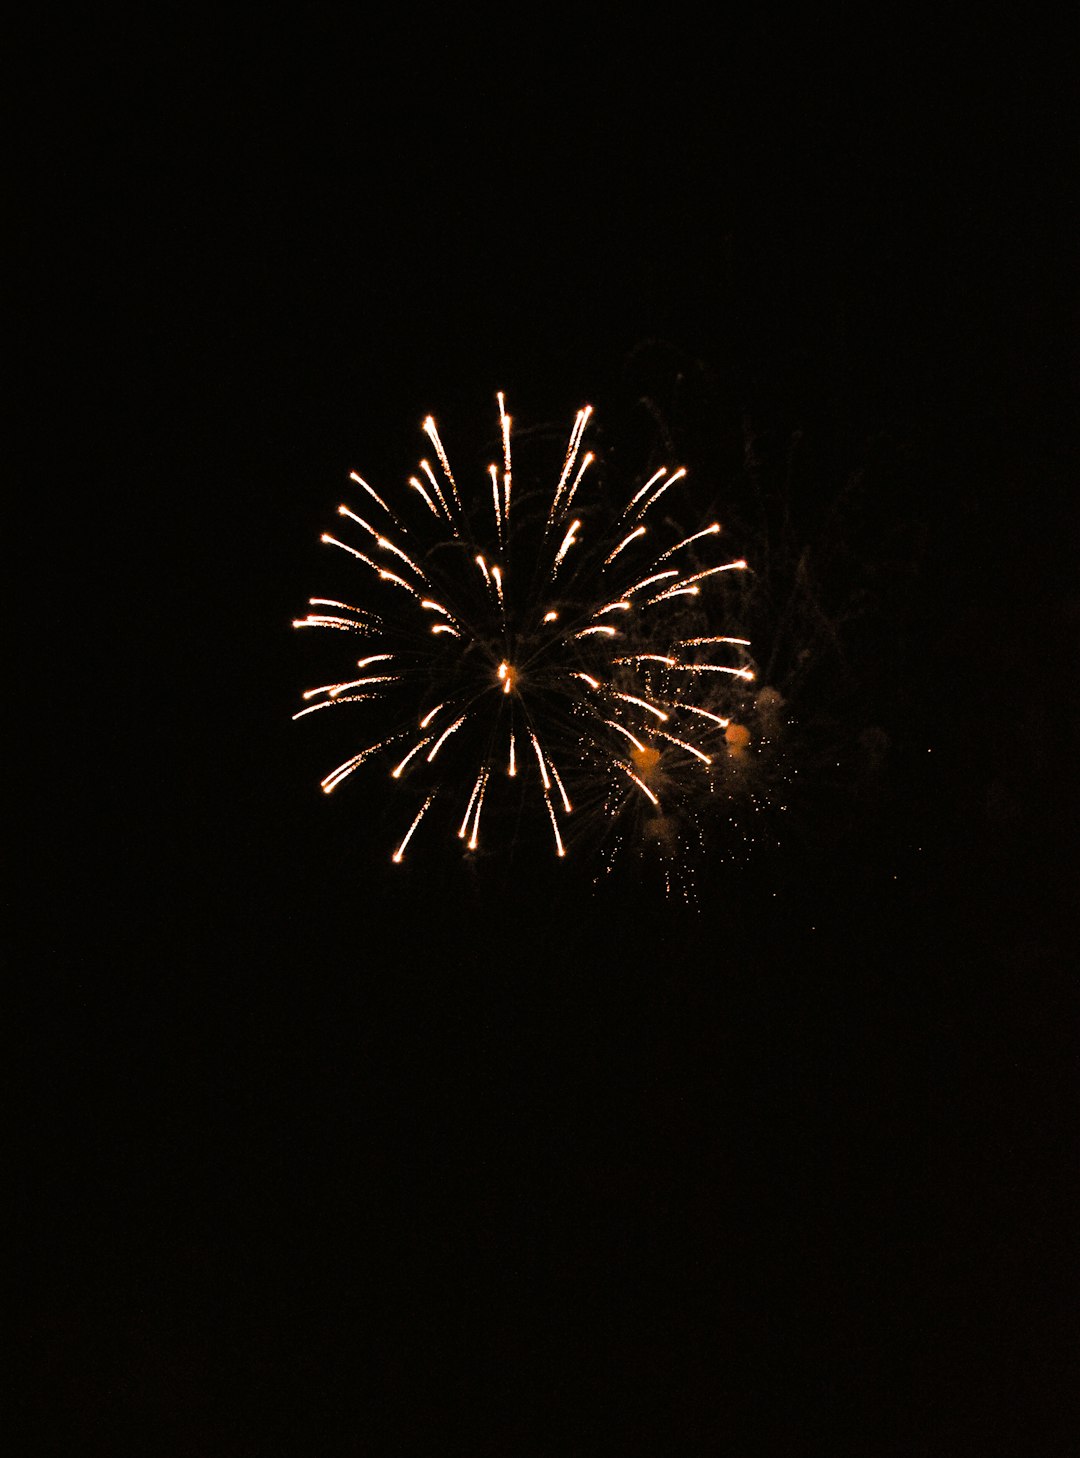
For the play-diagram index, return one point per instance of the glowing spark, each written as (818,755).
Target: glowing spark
(586,462)
(743,673)
(690,749)
(332,703)
(622,729)
(704,713)
(426,720)
(614,607)
(395,773)
(644,704)
(511,768)
(425,466)
(444,736)
(648,581)
(446,628)
(433,436)
(550,617)
(580,422)
(415,484)
(568,542)
(371,492)
(642,786)
(396,858)
(540,760)
(648,658)
(475,836)
(335,777)
(675,476)
(637,532)
(696,642)
(469,807)
(709,531)
(597,628)
(649,484)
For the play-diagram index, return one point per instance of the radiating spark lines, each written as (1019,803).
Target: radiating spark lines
(517,653)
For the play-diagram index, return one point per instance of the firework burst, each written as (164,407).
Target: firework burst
(542,645)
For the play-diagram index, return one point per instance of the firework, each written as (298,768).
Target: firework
(529,642)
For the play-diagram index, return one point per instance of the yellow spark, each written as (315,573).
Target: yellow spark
(359,520)
(511,768)
(496,573)
(568,542)
(435,607)
(622,729)
(426,720)
(388,546)
(613,607)
(433,436)
(696,642)
(644,704)
(339,688)
(396,858)
(445,628)
(586,462)
(673,592)
(648,486)
(444,736)
(483,568)
(372,492)
(638,531)
(475,836)
(709,531)
(640,783)
(550,617)
(495,498)
(415,484)
(425,466)
(675,476)
(588,678)
(580,421)
(597,628)
(559,847)
(705,759)
(647,658)
(559,786)
(705,713)
(468,808)
(329,703)
(395,773)
(648,581)
(505,421)
(743,673)
(540,759)
(335,777)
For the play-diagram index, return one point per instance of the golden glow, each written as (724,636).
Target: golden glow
(507,676)
(550,617)
(646,757)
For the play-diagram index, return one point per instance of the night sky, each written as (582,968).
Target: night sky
(329,1156)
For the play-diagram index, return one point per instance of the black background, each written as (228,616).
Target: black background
(324,1160)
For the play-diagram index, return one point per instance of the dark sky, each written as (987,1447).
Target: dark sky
(328,1160)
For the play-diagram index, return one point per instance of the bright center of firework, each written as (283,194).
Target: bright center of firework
(507,676)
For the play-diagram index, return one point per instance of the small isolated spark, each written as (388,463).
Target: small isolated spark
(532,641)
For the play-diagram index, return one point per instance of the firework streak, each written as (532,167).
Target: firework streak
(533,637)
